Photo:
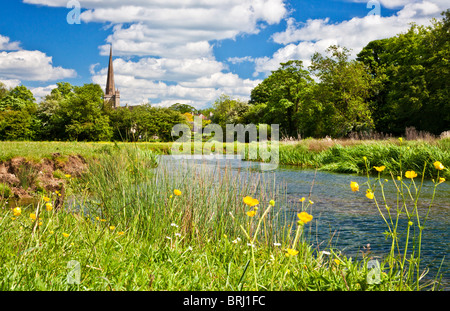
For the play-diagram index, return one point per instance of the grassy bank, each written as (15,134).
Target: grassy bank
(340,156)
(126,228)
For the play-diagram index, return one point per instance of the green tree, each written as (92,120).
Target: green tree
(343,92)
(183,108)
(282,96)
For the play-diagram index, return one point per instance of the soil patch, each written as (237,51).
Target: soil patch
(25,177)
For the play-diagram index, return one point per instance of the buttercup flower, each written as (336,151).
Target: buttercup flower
(120,233)
(68,175)
(17,211)
(410,174)
(65,234)
(441,179)
(272,202)
(369,194)
(250,201)
(354,185)
(48,206)
(177,192)
(379,168)
(112,227)
(438,165)
(46,199)
(291,252)
(251,213)
(33,216)
(304,217)
(302,199)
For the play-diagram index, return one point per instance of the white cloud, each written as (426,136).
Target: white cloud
(31,65)
(301,40)
(40,92)
(174,42)
(6,45)
(10,83)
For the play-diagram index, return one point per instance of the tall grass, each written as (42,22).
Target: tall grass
(129,229)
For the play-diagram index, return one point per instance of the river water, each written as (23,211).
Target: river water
(348,220)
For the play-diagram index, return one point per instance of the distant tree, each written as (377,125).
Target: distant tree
(183,108)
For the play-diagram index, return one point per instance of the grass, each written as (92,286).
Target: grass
(129,229)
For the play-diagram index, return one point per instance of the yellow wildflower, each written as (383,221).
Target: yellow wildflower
(304,217)
(46,199)
(354,185)
(250,201)
(337,261)
(177,192)
(441,179)
(410,174)
(369,194)
(311,202)
(251,213)
(302,199)
(65,234)
(120,233)
(272,202)
(68,175)
(291,252)
(48,206)
(380,168)
(438,165)
(33,216)
(112,227)
(17,211)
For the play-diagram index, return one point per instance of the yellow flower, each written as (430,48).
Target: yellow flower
(354,185)
(369,194)
(337,261)
(291,252)
(33,216)
(304,217)
(102,220)
(46,199)
(272,202)
(17,211)
(251,213)
(400,139)
(120,233)
(410,174)
(302,199)
(40,223)
(441,179)
(48,206)
(68,175)
(65,234)
(311,202)
(438,165)
(98,218)
(250,201)
(112,227)
(177,192)
(379,168)
(51,231)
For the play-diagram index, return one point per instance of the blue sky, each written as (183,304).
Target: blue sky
(187,51)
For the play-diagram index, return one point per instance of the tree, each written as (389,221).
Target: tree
(183,108)
(343,92)
(284,94)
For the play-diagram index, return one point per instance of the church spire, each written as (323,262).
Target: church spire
(112,95)
(110,87)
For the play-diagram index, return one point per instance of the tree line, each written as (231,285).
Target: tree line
(394,83)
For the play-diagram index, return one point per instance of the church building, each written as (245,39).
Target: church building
(112,95)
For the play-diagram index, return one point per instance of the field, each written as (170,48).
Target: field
(128,223)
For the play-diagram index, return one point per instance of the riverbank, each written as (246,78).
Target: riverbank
(131,225)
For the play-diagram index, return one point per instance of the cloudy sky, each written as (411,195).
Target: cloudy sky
(185,51)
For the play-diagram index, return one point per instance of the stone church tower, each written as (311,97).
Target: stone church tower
(112,96)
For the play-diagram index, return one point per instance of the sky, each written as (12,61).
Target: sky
(185,51)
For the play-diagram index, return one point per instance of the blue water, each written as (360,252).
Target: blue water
(348,220)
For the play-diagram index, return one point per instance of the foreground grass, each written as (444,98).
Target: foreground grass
(129,230)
